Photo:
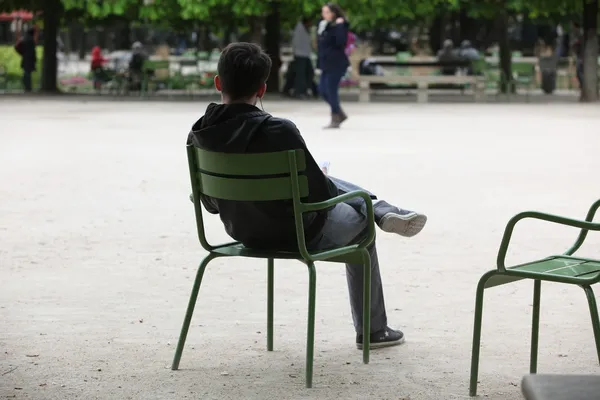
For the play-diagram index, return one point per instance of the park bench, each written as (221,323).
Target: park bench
(271,177)
(564,268)
(422,82)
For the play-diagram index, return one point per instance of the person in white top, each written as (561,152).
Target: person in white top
(301,74)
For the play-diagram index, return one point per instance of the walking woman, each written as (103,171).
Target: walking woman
(333,61)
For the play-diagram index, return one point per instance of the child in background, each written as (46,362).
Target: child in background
(97,67)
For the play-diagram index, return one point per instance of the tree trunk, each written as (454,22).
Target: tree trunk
(455,28)
(123,35)
(51,14)
(205,44)
(505,56)
(255,30)
(83,43)
(467,27)
(435,34)
(273,45)
(229,30)
(589,91)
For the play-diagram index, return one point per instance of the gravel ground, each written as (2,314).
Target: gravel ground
(98,252)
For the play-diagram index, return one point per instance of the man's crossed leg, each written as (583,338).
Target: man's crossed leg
(346,224)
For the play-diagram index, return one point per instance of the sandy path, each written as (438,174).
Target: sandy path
(98,252)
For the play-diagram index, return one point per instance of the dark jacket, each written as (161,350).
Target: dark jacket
(26,48)
(242,128)
(331,48)
(136,64)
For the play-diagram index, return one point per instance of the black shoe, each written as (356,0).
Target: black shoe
(384,338)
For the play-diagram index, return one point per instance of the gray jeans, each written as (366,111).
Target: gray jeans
(345,224)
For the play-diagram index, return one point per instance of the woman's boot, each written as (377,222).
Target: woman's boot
(343,116)
(336,120)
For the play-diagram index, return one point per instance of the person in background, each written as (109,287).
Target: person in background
(332,59)
(302,72)
(469,53)
(136,66)
(26,49)
(447,54)
(97,67)
(578,51)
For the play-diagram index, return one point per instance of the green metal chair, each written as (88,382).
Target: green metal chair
(564,268)
(490,74)
(191,79)
(270,177)
(523,75)
(156,72)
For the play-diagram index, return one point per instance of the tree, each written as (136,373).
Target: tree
(550,9)
(589,90)
(51,12)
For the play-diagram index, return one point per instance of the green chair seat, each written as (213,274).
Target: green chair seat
(272,177)
(239,250)
(564,268)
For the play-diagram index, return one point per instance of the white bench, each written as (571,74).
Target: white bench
(422,83)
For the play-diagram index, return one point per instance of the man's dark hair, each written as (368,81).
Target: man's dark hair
(243,68)
(336,10)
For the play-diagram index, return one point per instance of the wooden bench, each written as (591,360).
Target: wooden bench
(422,83)
(418,73)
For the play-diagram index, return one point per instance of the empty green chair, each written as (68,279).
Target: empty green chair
(157,73)
(270,177)
(523,75)
(563,268)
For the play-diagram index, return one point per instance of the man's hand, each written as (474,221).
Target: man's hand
(340,20)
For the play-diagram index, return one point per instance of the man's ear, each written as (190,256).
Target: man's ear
(261,91)
(218,83)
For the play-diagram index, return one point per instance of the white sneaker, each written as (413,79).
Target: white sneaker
(407,225)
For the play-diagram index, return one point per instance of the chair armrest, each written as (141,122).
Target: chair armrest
(584,225)
(583,233)
(323,255)
(207,246)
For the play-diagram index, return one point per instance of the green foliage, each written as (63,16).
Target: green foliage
(534,8)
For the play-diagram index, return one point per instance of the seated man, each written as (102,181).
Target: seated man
(238,126)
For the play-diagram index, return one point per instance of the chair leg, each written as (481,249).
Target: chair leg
(190,310)
(270,285)
(477,332)
(535,326)
(310,336)
(594,313)
(366,306)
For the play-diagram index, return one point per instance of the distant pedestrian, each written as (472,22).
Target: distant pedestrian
(136,66)
(97,67)
(332,59)
(468,53)
(449,55)
(301,73)
(26,49)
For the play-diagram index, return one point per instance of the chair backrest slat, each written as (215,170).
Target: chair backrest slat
(258,164)
(248,177)
(262,189)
